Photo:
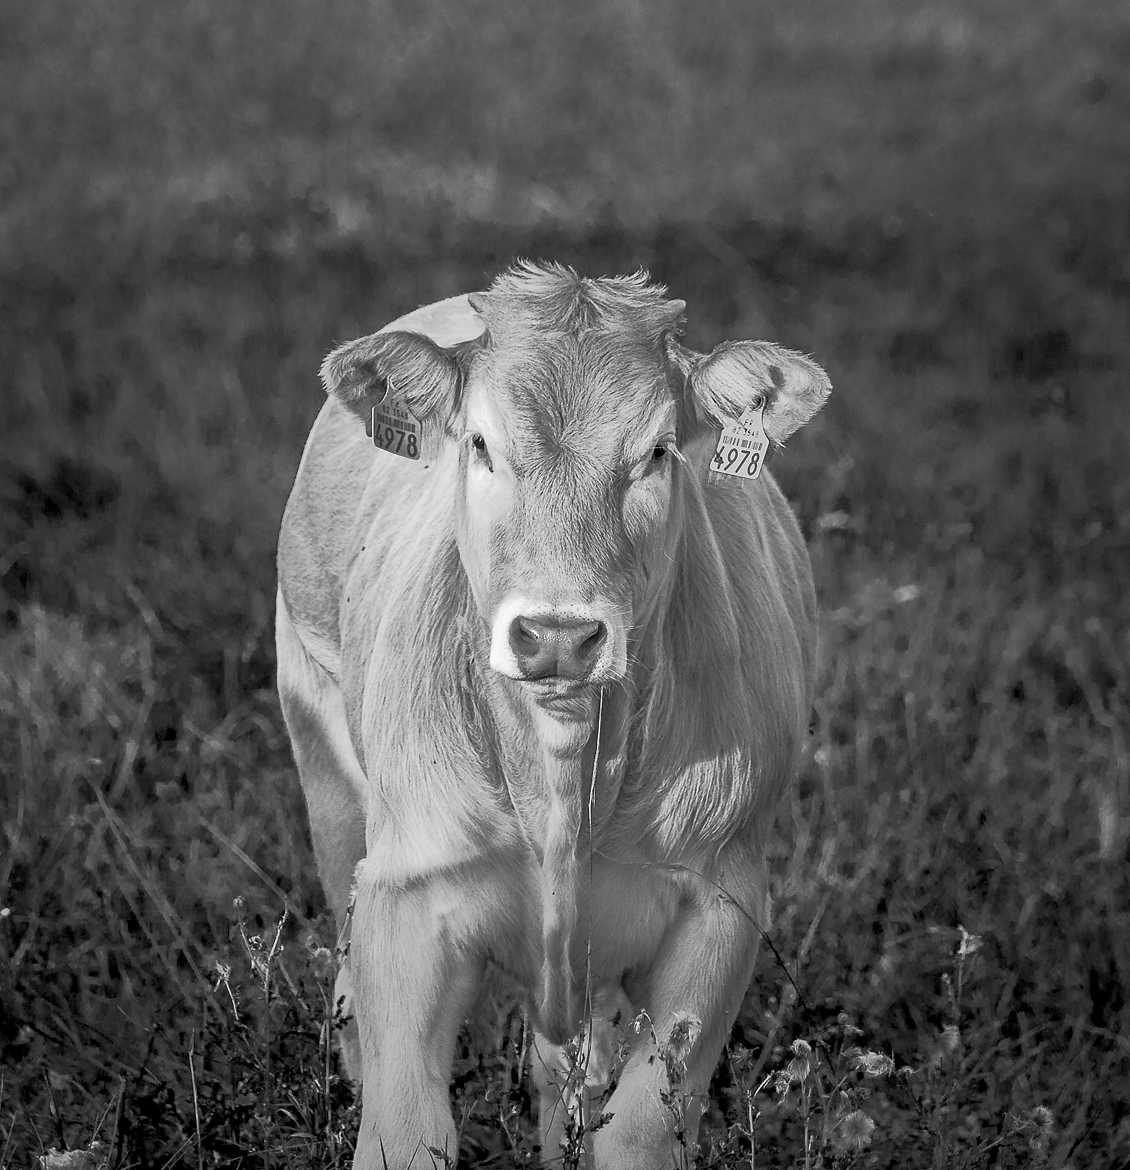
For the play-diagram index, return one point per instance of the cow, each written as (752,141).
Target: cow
(546,649)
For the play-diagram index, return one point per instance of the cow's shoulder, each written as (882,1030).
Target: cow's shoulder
(343,489)
(319,528)
(726,717)
(765,555)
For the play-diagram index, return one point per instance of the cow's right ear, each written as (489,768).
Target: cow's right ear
(407,368)
(739,374)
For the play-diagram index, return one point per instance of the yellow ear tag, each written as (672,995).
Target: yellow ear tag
(742,446)
(396,431)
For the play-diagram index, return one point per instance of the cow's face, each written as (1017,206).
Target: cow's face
(567,516)
(575,421)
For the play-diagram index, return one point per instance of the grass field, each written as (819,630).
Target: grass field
(197,200)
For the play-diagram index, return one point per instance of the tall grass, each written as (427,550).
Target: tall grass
(197,200)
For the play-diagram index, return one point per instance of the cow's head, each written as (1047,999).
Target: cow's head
(576,421)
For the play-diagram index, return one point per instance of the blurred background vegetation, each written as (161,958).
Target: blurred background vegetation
(198,199)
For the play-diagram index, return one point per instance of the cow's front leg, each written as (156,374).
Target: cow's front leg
(691,995)
(333,784)
(414,982)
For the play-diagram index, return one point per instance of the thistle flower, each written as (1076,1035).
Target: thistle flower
(681,1039)
(873,1064)
(322,962)
(853,1131)
(1044,1126)
(800,1067)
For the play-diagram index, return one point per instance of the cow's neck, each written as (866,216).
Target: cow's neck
(556,774)
(563,779)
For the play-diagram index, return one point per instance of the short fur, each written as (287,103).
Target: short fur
(429,776)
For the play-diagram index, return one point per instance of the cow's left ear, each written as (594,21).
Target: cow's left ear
(739,374)
(407,368)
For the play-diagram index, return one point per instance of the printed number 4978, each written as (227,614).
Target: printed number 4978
(738,461)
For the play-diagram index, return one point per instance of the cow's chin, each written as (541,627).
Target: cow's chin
(563,711)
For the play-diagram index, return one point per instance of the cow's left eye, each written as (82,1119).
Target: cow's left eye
(479,444)
(656,462)
(660,454)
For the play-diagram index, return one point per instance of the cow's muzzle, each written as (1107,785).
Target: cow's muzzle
(562,646)
(548,647)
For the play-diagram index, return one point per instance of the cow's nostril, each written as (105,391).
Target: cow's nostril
(524,630)
(590,645)
(551,646)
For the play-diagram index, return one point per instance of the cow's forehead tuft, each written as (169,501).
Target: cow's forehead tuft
(553,299)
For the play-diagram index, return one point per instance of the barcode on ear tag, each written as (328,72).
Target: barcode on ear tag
(742,446)
(396,431)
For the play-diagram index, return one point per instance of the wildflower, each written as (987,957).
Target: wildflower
(322,961)
(1044,1123)
(223,979)
(873,1064)
(970,944)
(800,1067)
(740,1055)
(853,1131)
(93,1158)
(681,1039)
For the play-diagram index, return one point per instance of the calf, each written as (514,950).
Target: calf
(546,641)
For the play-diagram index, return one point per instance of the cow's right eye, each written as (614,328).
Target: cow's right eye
(479,444)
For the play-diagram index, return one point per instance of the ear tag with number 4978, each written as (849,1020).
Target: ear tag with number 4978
(742,446)
(396,431)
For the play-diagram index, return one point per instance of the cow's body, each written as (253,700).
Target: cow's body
(456,798)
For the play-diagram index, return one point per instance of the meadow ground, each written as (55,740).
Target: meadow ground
(196,200)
